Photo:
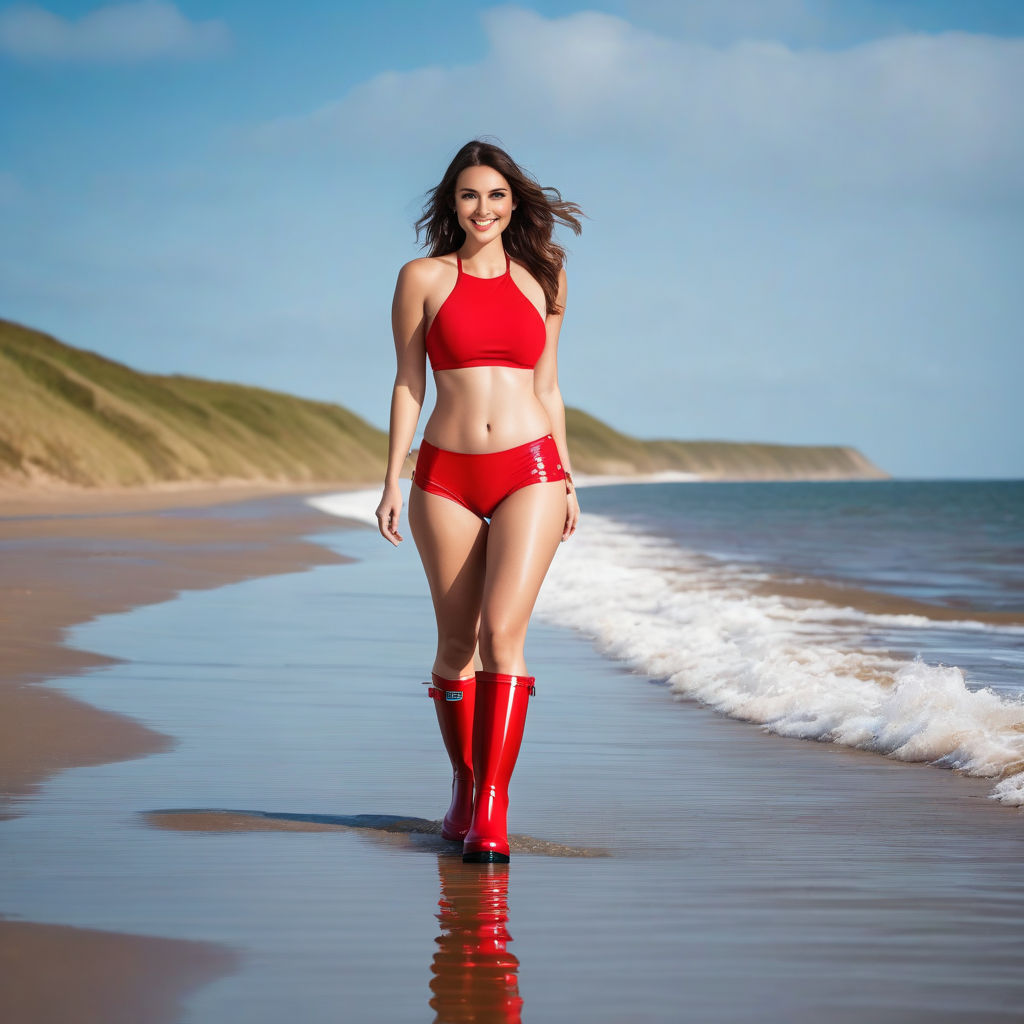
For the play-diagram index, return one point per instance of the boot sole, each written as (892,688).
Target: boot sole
(485,857)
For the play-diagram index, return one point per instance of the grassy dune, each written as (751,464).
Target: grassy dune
(70,415)
(598,448)
(74,417)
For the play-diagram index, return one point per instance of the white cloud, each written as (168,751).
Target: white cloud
(121,33)
(932,115)
(720,20)
(797,22)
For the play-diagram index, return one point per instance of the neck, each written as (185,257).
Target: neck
(483,260)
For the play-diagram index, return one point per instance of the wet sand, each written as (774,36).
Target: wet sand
(94,977)
(875,602)
(67,557)
(671,864)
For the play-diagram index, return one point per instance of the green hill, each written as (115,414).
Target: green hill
(598,448)
(71,416)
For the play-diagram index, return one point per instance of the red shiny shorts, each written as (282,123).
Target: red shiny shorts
(480,482)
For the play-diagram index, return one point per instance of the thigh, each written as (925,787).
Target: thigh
(524,535)
(452,543)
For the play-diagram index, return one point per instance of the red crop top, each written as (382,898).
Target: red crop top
(486,321)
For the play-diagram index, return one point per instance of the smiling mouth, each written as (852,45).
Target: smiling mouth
(484,224)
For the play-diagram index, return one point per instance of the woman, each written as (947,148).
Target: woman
(492,493)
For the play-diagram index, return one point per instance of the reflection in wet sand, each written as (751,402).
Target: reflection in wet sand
(475,977)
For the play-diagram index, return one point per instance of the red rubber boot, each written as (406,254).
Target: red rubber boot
(497,734)
(454,701)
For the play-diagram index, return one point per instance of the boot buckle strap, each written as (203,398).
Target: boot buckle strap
(450,696)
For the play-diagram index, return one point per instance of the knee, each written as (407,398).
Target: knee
(457,649)
(501,643)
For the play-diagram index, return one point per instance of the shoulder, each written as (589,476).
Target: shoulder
(425,271)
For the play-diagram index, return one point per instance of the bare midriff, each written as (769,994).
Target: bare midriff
(485,409)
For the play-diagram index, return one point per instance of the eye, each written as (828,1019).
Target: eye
(468,195)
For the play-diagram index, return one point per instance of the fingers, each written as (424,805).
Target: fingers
(572,517)
(387,522)
(390,531)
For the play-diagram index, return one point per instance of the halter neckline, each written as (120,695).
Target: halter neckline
(508,270)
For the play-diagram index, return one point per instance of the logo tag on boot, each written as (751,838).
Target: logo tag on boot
(452,695)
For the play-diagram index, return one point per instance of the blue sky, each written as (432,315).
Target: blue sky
(805,216)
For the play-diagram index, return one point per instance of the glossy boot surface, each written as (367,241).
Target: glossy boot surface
(501,702)
(454,700)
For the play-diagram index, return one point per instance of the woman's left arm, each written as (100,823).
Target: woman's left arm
(545,386)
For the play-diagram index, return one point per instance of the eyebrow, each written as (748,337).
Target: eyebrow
(500,188)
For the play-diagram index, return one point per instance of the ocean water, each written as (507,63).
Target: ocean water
(882,615)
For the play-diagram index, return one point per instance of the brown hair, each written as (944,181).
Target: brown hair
(528,237)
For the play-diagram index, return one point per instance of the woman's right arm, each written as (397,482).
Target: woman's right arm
(408,318)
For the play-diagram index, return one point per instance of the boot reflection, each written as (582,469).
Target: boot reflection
(475,977)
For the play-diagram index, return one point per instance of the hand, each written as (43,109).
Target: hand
(572,514)
(388,513)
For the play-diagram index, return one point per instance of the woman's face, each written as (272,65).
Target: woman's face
(483,203)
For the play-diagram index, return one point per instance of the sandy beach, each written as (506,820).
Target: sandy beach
(275,835)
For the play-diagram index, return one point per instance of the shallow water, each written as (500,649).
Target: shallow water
(954,545)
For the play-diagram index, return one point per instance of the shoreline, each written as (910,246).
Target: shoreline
(55,500)
(65,568)
(68,559)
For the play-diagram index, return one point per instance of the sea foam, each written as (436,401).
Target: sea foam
(799,668)
(358,505)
